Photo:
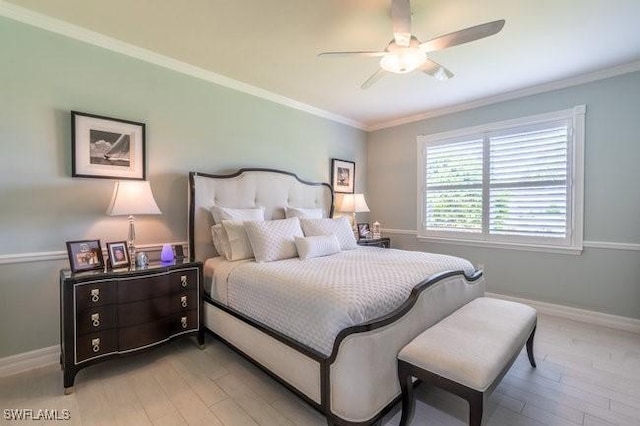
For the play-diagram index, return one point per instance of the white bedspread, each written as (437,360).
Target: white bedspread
(312,300)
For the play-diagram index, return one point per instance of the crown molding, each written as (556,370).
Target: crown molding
(39,20)
(520,93)
(29,17)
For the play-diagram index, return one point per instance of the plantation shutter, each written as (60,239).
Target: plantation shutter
(528,181)
(454,187)
(516,183)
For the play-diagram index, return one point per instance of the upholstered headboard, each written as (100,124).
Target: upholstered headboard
(272,189)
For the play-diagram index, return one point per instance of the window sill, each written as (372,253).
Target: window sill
(574,250)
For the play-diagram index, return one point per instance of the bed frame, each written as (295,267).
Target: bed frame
(357,383)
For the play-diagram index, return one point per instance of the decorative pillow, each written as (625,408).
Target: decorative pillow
(307,213)
(220,241)
(319,245)
(339,226)
(274,239)
(239,245)
(225,213)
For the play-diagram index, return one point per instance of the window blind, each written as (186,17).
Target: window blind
(454,186)
(517,182)
(528,182)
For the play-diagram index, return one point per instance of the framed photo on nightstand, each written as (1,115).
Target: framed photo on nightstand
(85,255)
(363,230)
(118,254)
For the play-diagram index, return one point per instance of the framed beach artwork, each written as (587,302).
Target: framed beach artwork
(343,175)
(107,148)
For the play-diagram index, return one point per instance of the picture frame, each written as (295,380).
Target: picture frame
(343,173)
(107,148)
(363,230)
(85,255)
(179,251)
(118,254)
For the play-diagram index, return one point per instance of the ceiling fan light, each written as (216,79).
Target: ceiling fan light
(402,61)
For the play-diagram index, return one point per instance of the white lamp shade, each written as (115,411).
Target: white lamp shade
(132,198)
(353,203)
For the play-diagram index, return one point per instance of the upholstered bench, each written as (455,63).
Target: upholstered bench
(468,352)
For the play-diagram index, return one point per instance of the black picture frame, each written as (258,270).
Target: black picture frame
(85,255)
(363,230)
(118,254)
(107,148)
(178,251)
(343,175)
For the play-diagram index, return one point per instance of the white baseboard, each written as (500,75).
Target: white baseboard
(20,363)
(582,315)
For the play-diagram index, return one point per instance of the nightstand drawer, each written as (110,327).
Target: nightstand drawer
(154,309)
(96,319)
(154,332)
(96,344)
(132,290)
(93,294)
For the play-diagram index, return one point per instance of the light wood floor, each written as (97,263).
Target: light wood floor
(586,375)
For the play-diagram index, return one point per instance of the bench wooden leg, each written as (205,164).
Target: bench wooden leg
(406,385)
(532,361)
(476,403)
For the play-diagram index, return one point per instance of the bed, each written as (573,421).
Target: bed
(344,365)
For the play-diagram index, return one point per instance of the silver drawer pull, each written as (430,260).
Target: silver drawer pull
(183,320)
(95,319)
(183,301)
(95,294)
(95,343)
(183,280)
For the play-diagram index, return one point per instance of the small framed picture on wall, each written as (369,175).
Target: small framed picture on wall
(107,148)
(343,175)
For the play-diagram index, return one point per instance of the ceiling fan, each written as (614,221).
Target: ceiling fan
(405,53)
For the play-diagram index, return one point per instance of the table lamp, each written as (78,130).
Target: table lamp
(353,203)
(132,198)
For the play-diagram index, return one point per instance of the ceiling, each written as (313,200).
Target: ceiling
(272,45)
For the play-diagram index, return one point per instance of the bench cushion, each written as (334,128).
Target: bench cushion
(473,345)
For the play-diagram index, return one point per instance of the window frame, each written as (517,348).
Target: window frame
(572,244)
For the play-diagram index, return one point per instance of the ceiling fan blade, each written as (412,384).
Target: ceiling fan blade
(463,36)
(401,20)
(373,79)
(370,53)
(436,70)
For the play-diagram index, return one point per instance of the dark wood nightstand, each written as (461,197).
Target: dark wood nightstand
(108,314)
(376,242)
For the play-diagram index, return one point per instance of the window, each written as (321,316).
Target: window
(516,183)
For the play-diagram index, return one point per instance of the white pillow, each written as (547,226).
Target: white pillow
(239,245)
(340,227)
(220,241)
(308,213)
(274,239)
(320,245)
(225,213)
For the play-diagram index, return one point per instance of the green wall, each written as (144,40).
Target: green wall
(191,125)
(603,280)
